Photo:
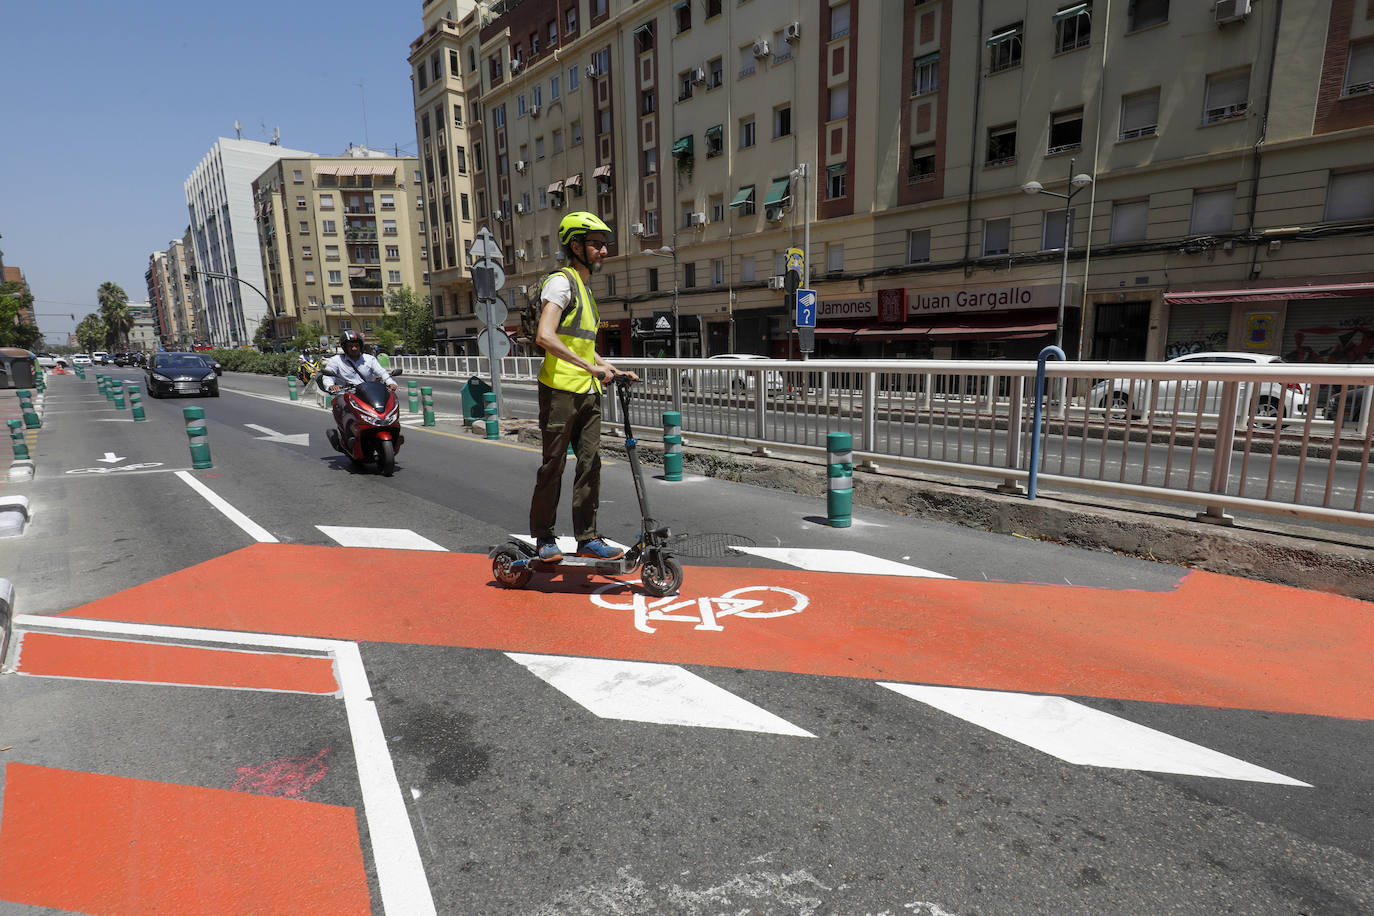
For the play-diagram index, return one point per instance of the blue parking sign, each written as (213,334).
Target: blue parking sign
(806,308)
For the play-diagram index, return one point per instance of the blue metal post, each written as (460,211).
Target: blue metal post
(1045,354)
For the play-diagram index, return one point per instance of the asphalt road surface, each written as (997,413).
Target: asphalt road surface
(285,684)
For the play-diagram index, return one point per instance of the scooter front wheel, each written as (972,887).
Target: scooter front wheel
(507,574)
(662,576)
(386,457)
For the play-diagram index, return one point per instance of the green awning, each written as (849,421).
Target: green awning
(929,58)
(778,192)
(745,195)
(1070,11)
(1004,34)
(715,131)
(683,147)
(838,169)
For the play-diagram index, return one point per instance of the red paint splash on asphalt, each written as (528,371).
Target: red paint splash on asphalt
(285,777)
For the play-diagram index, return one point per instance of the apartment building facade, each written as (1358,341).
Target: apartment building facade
(1228,150)
(336,235)
(224,237)
(168,285)
(443,62)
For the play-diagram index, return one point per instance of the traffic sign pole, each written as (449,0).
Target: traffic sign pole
(487,280)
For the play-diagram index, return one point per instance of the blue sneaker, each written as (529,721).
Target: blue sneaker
(547,550)
(599,549)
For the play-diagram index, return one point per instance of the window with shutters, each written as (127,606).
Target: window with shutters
(1227,96)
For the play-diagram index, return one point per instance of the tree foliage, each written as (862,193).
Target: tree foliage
(307,336)
(14,298)
(90,333)
(114,315)
(411,318)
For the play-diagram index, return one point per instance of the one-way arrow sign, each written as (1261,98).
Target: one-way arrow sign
(271,435)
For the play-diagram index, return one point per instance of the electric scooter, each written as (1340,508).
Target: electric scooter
(513,564)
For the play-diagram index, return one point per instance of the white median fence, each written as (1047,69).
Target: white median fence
(1284,439)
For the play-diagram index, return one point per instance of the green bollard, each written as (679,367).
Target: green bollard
(109,389)
(413,392)
(672,445)
(119,395)
(21,448)
(839,499)
(291,388)
(40,386)
(31,418)
(489,411)
(427,397)
(136,404)
(195,431)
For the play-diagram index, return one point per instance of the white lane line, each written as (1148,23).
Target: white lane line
(391,538)
(401,880)
(648,692)
(1082,735)
(252,528)
(845,561)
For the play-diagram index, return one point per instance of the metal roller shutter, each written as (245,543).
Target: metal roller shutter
(1329,331)
(1198,329)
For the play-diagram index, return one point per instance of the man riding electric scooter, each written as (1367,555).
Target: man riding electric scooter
(570,392)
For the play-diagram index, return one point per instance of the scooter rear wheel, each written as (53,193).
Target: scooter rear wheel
(662,577)
(506,574)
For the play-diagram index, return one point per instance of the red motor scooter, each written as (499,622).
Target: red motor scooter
(367,418)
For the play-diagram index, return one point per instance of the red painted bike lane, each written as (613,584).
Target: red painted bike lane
(131,846)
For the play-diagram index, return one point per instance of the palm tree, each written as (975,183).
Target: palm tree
(114,311)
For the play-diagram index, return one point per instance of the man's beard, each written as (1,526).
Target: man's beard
(594,267)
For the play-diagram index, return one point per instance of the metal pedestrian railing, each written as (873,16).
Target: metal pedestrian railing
(1283,439)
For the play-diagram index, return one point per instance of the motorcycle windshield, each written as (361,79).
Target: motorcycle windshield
(374,394)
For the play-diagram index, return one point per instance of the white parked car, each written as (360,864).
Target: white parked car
(1276,399)
(731,379)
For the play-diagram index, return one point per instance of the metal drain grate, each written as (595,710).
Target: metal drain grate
(709,546)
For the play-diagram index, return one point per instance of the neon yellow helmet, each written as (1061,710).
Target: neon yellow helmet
(579,223)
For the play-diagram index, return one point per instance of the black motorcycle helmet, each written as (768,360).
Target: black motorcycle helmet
(349,336)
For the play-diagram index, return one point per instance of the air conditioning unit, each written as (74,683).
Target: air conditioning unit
(521,209)
(520,255)
(521,165)
(556,201)
(761,48)
(637,229)
(772,214)
(696,219)
(1231,10)
(791,31)
(516,66)
(534,111)
(592,72)
(498,215)
(777,283)
(699,75)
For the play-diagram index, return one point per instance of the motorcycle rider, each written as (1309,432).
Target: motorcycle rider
(570,391)
(353,366)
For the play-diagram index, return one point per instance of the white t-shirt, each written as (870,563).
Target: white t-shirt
(558,290)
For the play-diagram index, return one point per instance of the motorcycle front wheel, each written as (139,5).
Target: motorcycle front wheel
(386,457)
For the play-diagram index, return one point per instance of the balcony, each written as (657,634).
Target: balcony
(360,235)
(364,209)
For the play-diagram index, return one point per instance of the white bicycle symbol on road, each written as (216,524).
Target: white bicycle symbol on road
(756,601)
(122,467)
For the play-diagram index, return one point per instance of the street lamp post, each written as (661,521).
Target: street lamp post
(669,252)
(1076,183)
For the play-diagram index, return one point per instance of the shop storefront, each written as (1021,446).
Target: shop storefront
(1330,323)
(1008,322)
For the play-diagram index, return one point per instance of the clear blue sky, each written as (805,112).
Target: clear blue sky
(109,106)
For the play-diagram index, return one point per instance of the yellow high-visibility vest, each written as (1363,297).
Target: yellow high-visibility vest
(577,329)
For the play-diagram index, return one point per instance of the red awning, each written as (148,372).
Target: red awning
(1003,332)
(831,332)
(891,333)
(1270,294)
